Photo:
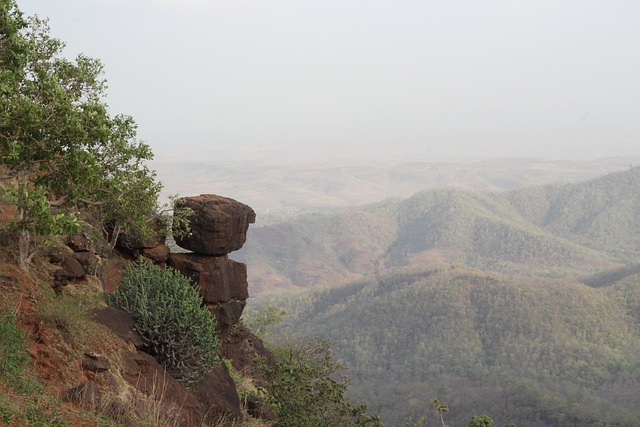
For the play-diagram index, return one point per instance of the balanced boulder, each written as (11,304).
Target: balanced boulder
(218,224)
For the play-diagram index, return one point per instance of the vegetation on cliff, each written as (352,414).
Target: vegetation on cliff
(304,391)
(168,313)
(60,144)
(68,166)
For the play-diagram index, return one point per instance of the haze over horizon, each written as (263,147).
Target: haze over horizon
(417,79)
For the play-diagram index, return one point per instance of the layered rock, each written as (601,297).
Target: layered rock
(218,226)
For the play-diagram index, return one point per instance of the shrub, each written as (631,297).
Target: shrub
(168,313)
(13,355)
(302,390)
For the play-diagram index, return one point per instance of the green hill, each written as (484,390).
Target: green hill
(483,231)
(537,352)
(319,249)
(603,213)
(523,305)
(568,230)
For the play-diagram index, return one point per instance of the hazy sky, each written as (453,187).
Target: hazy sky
(427,78)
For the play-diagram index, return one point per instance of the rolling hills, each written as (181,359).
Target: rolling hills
(523,305)
(566,230)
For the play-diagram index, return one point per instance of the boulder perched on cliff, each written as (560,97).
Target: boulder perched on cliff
(218,224)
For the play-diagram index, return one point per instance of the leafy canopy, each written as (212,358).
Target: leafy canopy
(58,137)
(302,390)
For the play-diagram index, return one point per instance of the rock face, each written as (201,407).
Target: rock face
(222,282)
(219,278)
(218,224)
(215,396)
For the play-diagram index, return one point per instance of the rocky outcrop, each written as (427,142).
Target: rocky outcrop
(215,395)
(78,258)
(218,224)
(220,279)
(243,348)
(222,283)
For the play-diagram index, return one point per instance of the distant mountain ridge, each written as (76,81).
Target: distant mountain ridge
(278,186)
(555,230)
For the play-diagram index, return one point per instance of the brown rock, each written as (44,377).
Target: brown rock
(120,323)
(56,255)
(72,267)
(245,349)
(218,392)
(176,405)
(218,224)
(60,279)
(95,363)
(86,394)
(88,261)
(69,269)
(258,409)
(220,279)
(157,254)
(112,274)
(213,397)
(227,314)
(79,242)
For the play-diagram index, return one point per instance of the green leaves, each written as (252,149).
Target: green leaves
(56,131)
(37,215)
(303,392)
(168,313)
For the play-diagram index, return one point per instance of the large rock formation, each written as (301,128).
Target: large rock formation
(222,282)
(218,224)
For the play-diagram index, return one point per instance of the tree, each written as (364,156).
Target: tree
(262,320)
(441,408)
(303,392)
(58,141)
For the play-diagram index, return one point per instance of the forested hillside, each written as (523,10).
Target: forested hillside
(567,230)
(532,351)
(522,305)
(603,213)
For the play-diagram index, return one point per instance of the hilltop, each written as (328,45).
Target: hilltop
(556,230)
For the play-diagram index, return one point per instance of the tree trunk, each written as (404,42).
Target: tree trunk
(24,238)
(114,236)
(24,242)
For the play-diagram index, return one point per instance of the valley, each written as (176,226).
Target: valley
(520,304)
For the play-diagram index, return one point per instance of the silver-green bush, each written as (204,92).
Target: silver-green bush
(168,313)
